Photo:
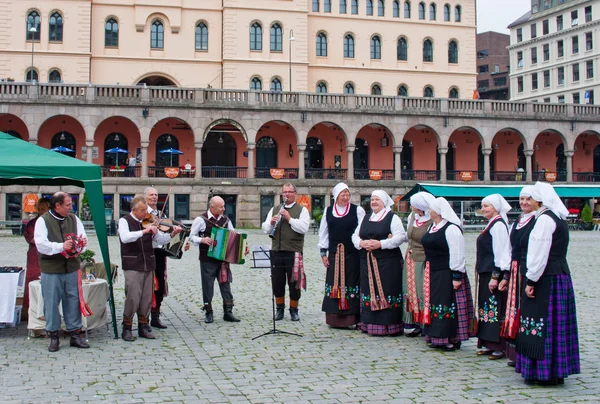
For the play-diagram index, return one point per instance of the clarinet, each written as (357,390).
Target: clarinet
(272,234)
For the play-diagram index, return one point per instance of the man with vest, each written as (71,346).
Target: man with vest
(59,277)
(160,271)
(138,262)
(210,268)
(291,221)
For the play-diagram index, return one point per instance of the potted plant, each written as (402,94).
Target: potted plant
(88,263)
(587,220)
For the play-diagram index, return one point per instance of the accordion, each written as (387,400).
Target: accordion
(227,245)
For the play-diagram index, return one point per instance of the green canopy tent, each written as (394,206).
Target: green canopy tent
(23,163)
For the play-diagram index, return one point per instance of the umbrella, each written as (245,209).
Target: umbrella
(116,150)
(171,151)
(62,149)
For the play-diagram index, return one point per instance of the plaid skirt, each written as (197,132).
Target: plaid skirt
(380,329)
(561,346)
(465,311)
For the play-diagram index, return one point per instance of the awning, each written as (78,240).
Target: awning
(461,192)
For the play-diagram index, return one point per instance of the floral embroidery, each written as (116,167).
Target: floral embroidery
(489,312)
(394,301)
(443,312)
(352,292)
(531,327)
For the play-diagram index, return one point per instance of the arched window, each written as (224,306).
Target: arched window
(321,44)
(402,91)
(421,11)
(111,33)
(167,141)
(381,8)
(375,89)
(432,12)
(447,12)
(457,13)
(342,6)
(54,76)
(407,9)
(201,36)
(354,7)
(396,9)
(33,21)
(266,156)
(427,51)
(112,141)
(13,134)
(375,47)
(256,84)
(452,52)
(275,84)
(256,37)
(369,7)
(321,87)
(327,6)
(55,27)
(453,93)
(276,38)
(315,6)
(64,139)
(28,75)
(428,92)
(349,88)
(157,35)
(402,49)
(349,46)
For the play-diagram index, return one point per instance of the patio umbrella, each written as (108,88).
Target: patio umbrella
(116,150)
(171,151)
(62,149)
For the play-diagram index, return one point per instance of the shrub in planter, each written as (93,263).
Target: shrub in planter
(587,220)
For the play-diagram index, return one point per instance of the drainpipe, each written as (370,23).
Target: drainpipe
(90,62)
(222,40)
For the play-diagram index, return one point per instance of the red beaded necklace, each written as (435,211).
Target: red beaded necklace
(341,214)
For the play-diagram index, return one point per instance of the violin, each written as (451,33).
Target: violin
(164,225)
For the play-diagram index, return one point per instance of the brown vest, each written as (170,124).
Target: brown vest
(210,223)
(138,255)
(57,263)
(415,234)
(286,239)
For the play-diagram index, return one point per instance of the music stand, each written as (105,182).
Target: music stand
(260,258)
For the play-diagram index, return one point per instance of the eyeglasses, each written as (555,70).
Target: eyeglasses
(289,192)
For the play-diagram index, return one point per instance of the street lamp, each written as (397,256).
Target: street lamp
(32,30)
(291,40)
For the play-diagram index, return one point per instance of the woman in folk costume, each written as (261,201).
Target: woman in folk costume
(378,239)
(519,235)
(341,303)
(414,263)
(547,341)
(448,304)
(491,267)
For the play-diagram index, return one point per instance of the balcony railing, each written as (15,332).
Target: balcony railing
(586,177)
(465,175)
(362,174)
(122,171)
(508,176)
(288,173)
(326,173)
(420,175)
(561,175)
(224,172)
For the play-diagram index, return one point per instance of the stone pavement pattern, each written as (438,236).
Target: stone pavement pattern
(194,362)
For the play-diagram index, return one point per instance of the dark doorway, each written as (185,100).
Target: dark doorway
(480,162)
(230,207)
(64,139)
(597,163)
(157,81)
(313,157)
(522,161)
(167,141)
(219,150)
(361,159)
(112,141)
(266,203)
(266,156)
(561,163)
(182,207)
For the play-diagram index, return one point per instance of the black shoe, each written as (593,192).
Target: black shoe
(512,364)
(127,335)
(155,322)
(77,341)
(454,347)
(294,314)
(54,341)
(228,312)
(144,331)
(414,333)
(208,313)
(279,312)
(551,382)
(530,382)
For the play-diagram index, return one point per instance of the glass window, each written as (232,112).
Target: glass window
(561,76)
(545,27)
(31,75)
(453,52)
(349,88)
(588,14)
(520,84)
(354,7)
(574,19)
(342,6)
(546,78)
(201,37)
(349,46)
(321,44)
(560,48)
(256,84)
(111,33)
(55,29)
(533,29)
(321,87)
(13,207)
(559,23)
(575,44)
(483,68)
(380,8)
(402,49)
(315,6)
(427,51)
(276,38)
(157,35)
(396,9)
(457,14)
(575,68)
(256,36)
(589,68)
(407,9)
(327,6)
(365,202)
(453,93)
(375,89)
(482,54)
(576,99)
(375,47)
(447,12)
(534,81)
(589,45)
(421,11)
(546,52)
(125,204)
(369,7)
(428,92)
(54,76)
(519,60)
(561,99)
(499,81)
(403,91)
(432,12)
(519,34)
(182,207)
(275,84)
(533,56)
(483,84)
(33,21)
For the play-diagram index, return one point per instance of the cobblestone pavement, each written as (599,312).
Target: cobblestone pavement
(195,362)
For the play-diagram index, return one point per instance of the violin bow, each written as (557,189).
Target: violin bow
(166,202)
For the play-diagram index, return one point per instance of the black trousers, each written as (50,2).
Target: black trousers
(282,263)
(209,270)
(159,272)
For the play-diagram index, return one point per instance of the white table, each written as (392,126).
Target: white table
(95,293)
(9,285)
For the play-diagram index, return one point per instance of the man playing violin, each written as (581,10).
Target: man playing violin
(138,262)
(211,268)
(160,272)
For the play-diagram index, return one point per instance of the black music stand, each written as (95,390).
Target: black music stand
(263,257)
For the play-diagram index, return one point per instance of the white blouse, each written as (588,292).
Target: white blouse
(501,247)
(540,241)
(396,229)
(324,230)
(456,245)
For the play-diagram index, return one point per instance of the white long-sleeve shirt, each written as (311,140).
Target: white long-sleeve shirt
(396,229)
(456,245)
(324,230)
(299,225)
(540,242)
(501,246)
(199,226)
(157,242)
(47,247)
(128,236)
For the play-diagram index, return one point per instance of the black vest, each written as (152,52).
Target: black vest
(57,263)
(210,223)
(519,240)
(557,259)
(138,255)
(485,249)
(341,228)
(436,248)
(378,231)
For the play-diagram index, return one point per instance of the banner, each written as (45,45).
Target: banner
(171,172)
(375,175)
(277,173)
(466,175)
(550,177)
(29,203)
(304,200)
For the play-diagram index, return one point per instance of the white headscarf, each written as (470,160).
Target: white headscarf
(443,208)
(337,190)
(500,204)
(530,190)
(385,198)
(422,200)
(551,200)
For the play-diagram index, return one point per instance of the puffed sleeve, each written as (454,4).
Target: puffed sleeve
(456,245)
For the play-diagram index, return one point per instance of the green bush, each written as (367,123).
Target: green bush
(586,214)
(317,214)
